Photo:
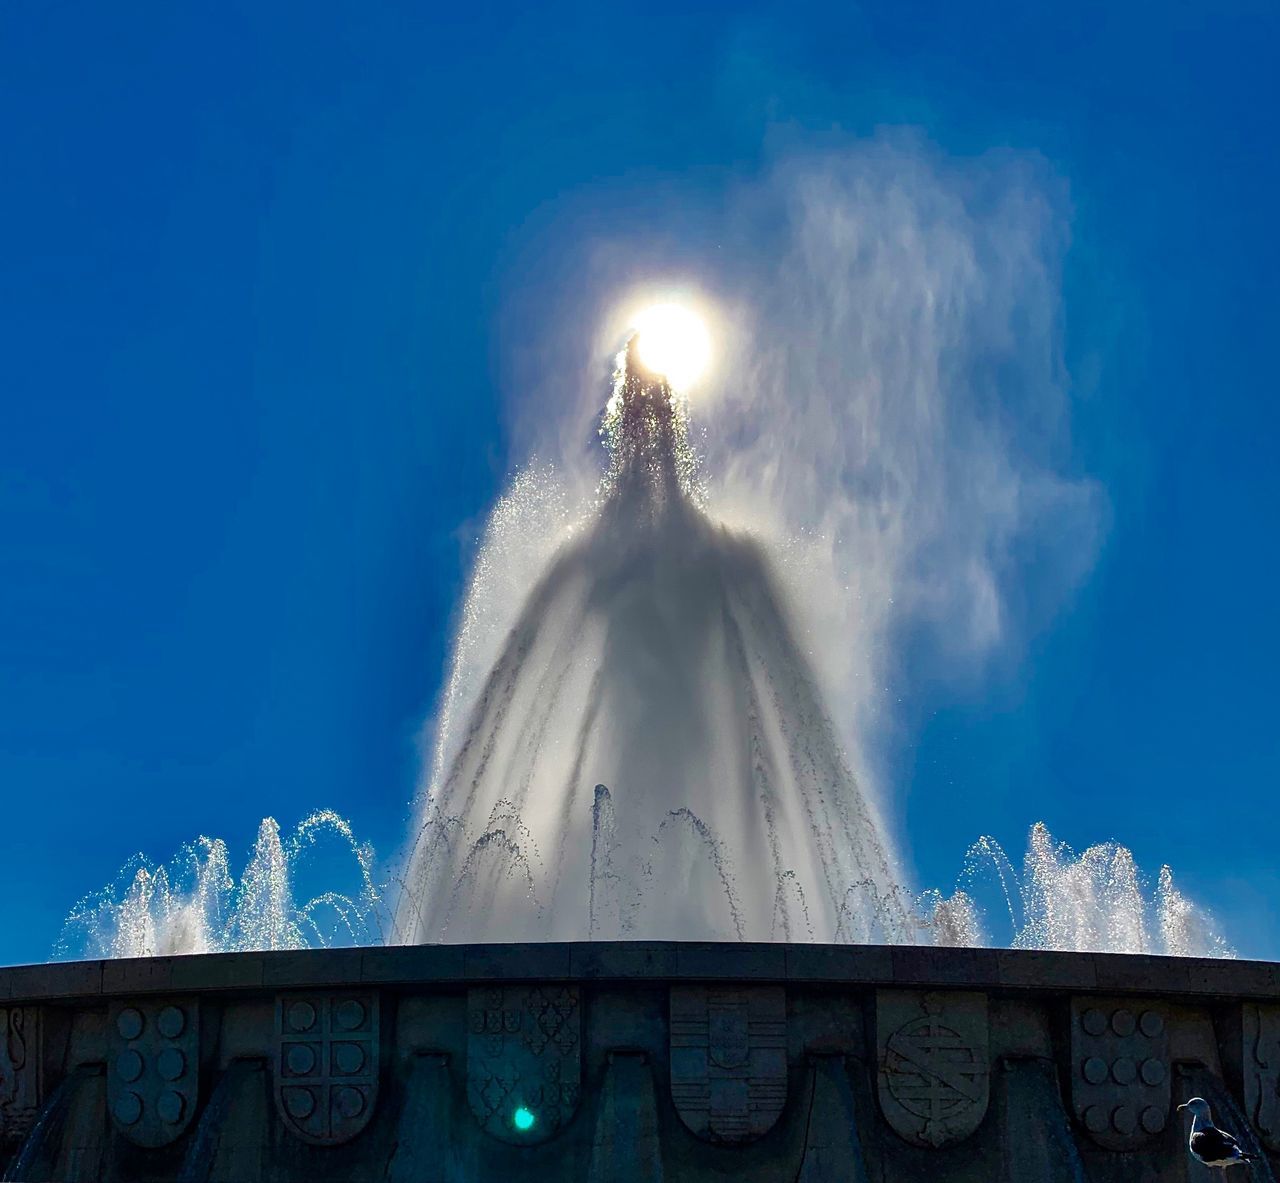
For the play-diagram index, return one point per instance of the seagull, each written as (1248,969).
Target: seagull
(1208,1144)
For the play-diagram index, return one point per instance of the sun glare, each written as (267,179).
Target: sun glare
(673,341)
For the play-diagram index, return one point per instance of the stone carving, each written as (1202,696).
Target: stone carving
(20,1075)
(153,1068)
(1121,1084)
(1262,1071)
(935,1077)
(524,1059)
(326,1064)
(729,1059)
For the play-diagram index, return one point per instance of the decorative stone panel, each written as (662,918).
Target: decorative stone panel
(1261,1029)
(153,1068)
(933,1051)
(1121,1083)
(326,1064)
(729,1059)
(21,1089)
(524,1059)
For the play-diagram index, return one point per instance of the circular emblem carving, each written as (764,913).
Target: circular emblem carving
(300,1102)
(349,1059)
(350,1103)
(1094,1021)
(170,1107)
(1153,1072)
(1096,1119)
(171,1021)
(350,1014)
(128,1108)
(1124,1119)
(933,1073)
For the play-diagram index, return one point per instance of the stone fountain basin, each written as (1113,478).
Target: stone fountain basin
(633,1062)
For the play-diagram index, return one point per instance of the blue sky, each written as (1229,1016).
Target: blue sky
(268,270)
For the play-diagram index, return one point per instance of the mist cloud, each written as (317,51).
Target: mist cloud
(890,408)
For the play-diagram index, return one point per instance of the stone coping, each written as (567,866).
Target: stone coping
(634,961)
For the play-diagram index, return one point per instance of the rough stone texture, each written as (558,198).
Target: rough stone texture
(232,1141)
(1028,1098)
(425,1149)
(832,1148)
(626,1147)
(646,1062)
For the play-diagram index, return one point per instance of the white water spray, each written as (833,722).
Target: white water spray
(193,904)
(633,740)
(656,652)
(656,656)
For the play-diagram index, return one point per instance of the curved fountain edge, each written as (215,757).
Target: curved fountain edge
(633,1062)
(667,961)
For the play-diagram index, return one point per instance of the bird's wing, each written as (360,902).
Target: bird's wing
(1214,1145)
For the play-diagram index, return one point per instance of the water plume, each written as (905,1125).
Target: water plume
(655,655)
(1096,900)
(673,683)
(194,904)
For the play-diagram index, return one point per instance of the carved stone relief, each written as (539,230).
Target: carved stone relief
(524,1059)
(326,1064)
(20,1070)
(153,1068)
(935,1077)
(1121,1086)
(729,1059)
(1262,1071)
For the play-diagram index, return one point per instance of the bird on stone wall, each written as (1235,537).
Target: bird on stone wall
(1208,1144)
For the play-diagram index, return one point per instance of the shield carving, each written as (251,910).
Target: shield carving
(153,1068)
(729,1059)
(524,1059)
(935,1076)
(20,1070)
(1262,1071)
(1121,1085)
(326,1064)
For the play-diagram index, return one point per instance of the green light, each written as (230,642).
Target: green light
(523,1119)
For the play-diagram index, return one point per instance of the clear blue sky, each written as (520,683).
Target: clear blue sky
(252,336)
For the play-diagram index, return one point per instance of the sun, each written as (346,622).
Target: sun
(673,341)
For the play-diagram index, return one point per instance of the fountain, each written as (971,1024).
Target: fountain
(647,754)
(649,929)
(655,656)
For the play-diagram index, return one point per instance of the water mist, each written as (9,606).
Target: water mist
(649,755)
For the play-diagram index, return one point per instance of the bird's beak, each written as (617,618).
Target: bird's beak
(1181,1108)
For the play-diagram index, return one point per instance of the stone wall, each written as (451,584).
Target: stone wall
(635,1063)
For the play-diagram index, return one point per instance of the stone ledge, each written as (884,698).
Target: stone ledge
(862,965)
